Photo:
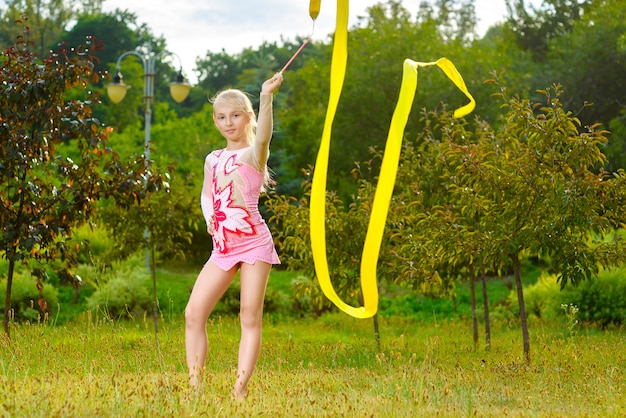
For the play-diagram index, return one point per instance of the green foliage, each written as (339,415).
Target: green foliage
(26,303)
(594,51)
(126,294)
(46,194)
(160,214)
(173,290)
(179,144)
(184,142)
(345,229)
(418,306)
(532,186)
(45,18)
(535,29)
(94,274)
(599,301)
(569,46)
(98,241)
(114,28)
(616,148)
(220,70)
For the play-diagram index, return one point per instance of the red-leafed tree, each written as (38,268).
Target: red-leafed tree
(54,160)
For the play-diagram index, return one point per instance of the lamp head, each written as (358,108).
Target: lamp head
(116,90)
(179,89)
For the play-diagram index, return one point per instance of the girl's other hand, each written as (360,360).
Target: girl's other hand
(210,227)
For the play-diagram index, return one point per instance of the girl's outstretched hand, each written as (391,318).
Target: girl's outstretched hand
(269,86)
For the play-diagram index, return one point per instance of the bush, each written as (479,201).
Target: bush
(419,306)
(124,295)
(600,300)
(25,297)
(98,240)
(275,302)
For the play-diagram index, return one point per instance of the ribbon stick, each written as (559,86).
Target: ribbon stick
(388,171)
(306,41)
(314,11)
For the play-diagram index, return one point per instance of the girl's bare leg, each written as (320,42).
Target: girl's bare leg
(253,283)
(210,285)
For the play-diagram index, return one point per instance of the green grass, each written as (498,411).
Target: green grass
(328,367)
(91,365)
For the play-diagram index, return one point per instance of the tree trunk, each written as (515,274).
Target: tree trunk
(376,330)
(7,299)
(522,306)
(374,320)
(483,278)
(473,295)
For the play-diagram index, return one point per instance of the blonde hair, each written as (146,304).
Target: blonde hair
(241,101)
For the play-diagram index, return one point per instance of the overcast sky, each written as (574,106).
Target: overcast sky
(193,27)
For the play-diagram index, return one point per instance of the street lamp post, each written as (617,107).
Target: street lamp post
(116,90)
(179,89)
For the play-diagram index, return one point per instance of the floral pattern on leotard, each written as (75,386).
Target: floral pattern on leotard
(228,216)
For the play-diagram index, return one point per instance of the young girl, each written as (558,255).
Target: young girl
(233,179)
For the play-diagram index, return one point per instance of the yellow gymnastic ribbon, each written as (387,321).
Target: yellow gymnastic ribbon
(388,171)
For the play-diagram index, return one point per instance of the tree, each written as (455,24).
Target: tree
(46,21)
(153,224)
(456,21)
(118,30)
(482,200)
(346,227)
(535,29)
(577,44)
(45,193)
(430,248)
(588,60)
(534,188)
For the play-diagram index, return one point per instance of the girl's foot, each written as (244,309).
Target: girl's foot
(240,392)
(195,381)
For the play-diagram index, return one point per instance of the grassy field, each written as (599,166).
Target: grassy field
(327,367)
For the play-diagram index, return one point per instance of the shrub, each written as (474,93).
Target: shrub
(125,294)
(25,297)
(98,239)
(401,305)
(275,301)
(600,300)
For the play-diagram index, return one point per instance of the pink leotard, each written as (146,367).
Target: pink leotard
(230,197)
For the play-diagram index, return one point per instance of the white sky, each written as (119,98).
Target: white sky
(192,28)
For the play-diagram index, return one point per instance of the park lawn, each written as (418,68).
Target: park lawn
(330,366)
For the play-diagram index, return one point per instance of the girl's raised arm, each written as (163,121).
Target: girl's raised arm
(265,120)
